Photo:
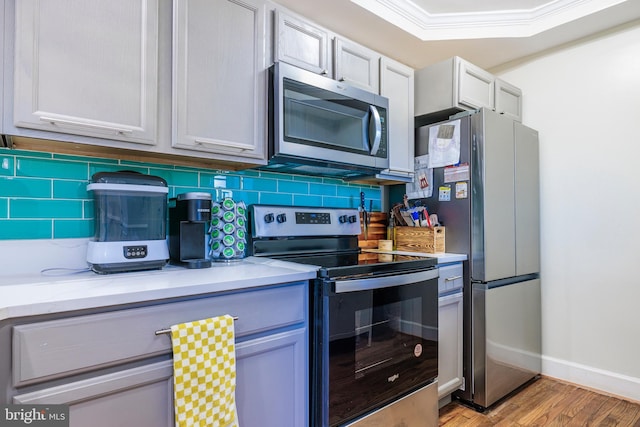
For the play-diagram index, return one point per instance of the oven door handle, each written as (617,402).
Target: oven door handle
(354,285)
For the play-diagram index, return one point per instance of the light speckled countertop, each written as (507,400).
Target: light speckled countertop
(32,289)
(51,276)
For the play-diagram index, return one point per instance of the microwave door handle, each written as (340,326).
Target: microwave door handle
(378,129)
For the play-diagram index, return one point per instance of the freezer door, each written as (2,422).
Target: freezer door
(493,228)
(507,339)
(527,199)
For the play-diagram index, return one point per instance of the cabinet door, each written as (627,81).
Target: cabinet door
(300,43)
(219,77)
(356,65)
(272,380)
(449,344)
(141,397)
(475,86)
(508,100)
(396,83)
(87,67)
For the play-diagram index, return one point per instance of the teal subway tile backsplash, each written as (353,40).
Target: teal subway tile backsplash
(45,208)
(323,189)
(25,187)
(70,189)
(69,229)
(259,184)
(25,229)
(303,200)
(6,165)
(296,187)
(276,199)
(176,177)
(45,168)
(44,196)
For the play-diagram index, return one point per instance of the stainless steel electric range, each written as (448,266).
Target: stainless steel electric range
(374,323)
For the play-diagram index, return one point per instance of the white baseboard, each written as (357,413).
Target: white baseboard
(608,382)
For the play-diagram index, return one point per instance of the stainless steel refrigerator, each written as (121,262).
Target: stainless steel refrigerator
(489,204)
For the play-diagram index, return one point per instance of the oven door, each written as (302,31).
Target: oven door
(377,341)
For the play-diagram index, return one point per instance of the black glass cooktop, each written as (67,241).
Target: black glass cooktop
(357,263)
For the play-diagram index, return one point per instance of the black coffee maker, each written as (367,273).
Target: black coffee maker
(189,220)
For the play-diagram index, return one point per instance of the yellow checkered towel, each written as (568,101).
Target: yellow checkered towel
(204,373)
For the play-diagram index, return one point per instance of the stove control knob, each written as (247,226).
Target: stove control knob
(268,218)
(352,219)
(343,218)
(281,218)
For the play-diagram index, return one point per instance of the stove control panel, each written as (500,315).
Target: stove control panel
(314,218)
(294,221)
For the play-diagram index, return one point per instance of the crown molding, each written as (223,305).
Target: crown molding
(417,21)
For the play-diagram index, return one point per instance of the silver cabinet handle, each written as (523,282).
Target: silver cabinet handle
(225,144)
(54,122)
(451,279)
(168,330)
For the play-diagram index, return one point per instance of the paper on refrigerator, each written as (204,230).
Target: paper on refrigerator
(444,144)
(422,185)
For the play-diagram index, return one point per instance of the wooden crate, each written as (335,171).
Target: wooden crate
(420,239)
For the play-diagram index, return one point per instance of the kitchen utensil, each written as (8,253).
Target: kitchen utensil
(365,222)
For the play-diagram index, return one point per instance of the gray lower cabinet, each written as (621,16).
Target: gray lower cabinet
(271,390)
(140,396)
(111,368)
(450,344)
(450,374)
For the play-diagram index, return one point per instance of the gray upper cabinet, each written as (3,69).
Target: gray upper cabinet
(356,65)
(219,77)
(473,87)
(397,84)
(87,68)
(508,100)
(301,43)
(179,79)
(454,85)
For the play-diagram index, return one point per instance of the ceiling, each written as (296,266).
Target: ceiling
(488,33)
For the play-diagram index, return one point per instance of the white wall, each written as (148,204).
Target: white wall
(584,99)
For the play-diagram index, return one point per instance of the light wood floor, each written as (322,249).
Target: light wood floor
(547,402)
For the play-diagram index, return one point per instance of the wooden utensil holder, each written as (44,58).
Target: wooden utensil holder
(420,239)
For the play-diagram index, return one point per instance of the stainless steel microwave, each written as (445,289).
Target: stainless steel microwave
(324,127)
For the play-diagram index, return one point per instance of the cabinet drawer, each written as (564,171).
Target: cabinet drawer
(450,278)
(56,348)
